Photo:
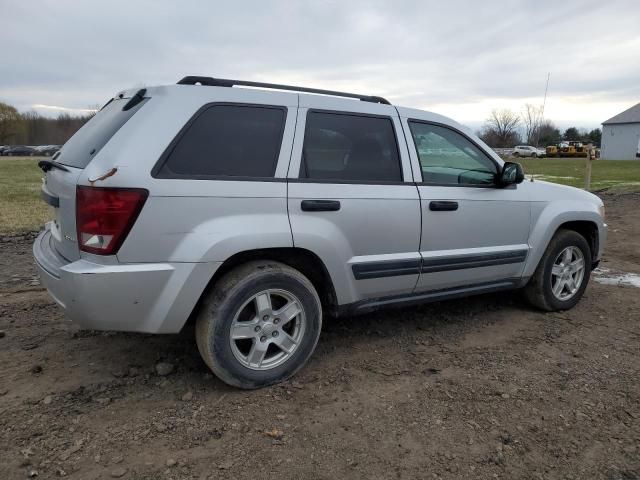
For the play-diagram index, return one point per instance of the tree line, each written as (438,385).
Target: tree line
(31,128)
(505,129)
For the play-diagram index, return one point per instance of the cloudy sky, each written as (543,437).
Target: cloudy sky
(459,58)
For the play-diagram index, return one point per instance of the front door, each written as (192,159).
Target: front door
(352,200)
(474,233)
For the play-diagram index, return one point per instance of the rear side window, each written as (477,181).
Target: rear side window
(350,147)
(227,141)
(95,134)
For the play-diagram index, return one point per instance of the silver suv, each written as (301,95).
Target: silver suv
(528,151)
(256,211)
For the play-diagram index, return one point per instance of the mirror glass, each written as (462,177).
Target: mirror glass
(511,173)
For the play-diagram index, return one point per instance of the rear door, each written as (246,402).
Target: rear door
(59,183)
(351,197)
(474,233)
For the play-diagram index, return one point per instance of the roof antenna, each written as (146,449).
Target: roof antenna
(544,102)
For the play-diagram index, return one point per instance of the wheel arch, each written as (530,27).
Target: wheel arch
(303,260)
(569,215)
(584,223)
(588,229)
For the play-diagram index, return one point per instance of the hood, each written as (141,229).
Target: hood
(541,191)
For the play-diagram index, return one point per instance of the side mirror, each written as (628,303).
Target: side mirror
(511,174)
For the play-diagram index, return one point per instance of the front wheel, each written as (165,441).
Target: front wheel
(259,325)
(562,274)
(534,155)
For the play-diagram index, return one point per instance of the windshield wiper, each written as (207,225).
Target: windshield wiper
(47,165)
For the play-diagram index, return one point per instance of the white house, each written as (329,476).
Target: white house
(621,136)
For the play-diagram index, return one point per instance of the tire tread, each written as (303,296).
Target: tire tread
(535,292)
(206,319)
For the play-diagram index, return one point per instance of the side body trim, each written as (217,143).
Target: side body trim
(472,261)
(362,271)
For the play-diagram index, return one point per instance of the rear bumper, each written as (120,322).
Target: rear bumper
(145,297)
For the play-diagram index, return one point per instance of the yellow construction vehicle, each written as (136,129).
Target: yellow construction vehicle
(567,149)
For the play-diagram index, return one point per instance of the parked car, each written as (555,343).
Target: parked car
(52,150)
(19,151)
(47,150)
(3,148)
(528,151)
(256,212)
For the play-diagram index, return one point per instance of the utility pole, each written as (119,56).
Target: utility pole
(544,102)
(591,155)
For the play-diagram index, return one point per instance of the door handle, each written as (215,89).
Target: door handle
(320,205)
(443,206)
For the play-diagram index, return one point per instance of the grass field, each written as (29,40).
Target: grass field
(22,210)
(615,175)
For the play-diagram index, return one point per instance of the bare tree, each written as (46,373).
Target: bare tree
(501,128)
(531,118)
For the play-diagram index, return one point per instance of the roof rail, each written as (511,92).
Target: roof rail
(222,82)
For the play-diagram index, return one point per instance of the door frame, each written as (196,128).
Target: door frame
(445,262)
(360,273)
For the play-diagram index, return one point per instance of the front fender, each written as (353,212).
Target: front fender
(549,217)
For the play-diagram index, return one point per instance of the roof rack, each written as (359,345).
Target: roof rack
(222,82)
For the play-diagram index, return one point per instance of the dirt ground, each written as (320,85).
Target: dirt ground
(476,388)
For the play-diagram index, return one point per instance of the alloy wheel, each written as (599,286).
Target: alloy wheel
(567,273)
(267,329)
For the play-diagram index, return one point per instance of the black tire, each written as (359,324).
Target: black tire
(539,292)
(227,297)
(534,155)
(516,154)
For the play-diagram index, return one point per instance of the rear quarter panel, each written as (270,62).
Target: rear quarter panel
(212,227)
(187,220)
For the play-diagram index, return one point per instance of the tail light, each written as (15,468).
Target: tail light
(104,217)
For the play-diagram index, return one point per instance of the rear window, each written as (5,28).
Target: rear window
(227,141)
(95,134)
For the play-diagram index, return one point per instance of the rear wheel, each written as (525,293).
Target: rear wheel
(259,325)
(534,155)
(562,274)
(516,154)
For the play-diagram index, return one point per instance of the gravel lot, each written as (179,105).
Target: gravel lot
(477,388)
